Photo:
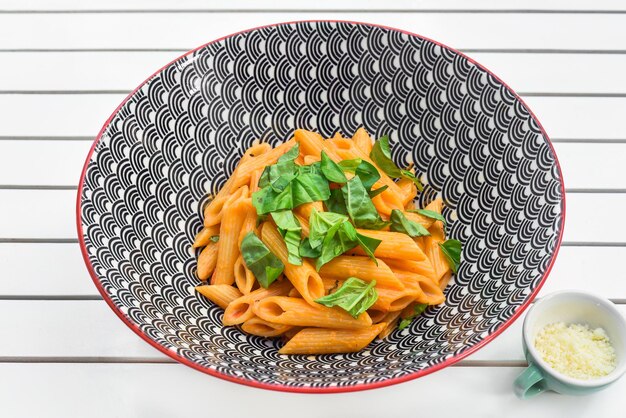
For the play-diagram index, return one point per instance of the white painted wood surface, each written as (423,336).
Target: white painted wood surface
(66,65)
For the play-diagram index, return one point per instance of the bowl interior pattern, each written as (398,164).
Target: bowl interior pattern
(182,132)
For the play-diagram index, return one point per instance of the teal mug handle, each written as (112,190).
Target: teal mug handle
(530,383)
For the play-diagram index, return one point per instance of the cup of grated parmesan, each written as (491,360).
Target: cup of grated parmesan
(575,344)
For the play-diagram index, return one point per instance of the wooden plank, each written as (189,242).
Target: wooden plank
(48,163)
(123,71)
(59,163)
(59,115)
(167,390)
(188,30)
(50,214)
(354,5)
(88,329)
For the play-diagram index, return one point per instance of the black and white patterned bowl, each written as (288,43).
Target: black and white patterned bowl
(181,132)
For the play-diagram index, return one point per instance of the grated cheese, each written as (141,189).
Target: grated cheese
(576,350)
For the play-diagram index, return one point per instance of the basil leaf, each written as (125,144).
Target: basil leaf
(315,168)
(307,251)
(350,165)
(336,203)
(320,223)
(290,155)
(369,245)
(452,251)
(400,223)
(309,187)
(269,200)
(339,239)
(264,180)
(374,193)
(429,214)
(291,231)
(265,266)
(360,206)
(409,175)
(354,296)
(366,171)
(215,238)
(418,309)
(381,155)
(331,170)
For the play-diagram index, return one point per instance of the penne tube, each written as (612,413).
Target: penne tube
(312,143)
(362,141)
(213,213)
(434,253)
(445,279)
(240,309)
(249,220)
(244,279)
(394,300)
(376,315)
(408,188)
(297,312)
(310,159)
(303,277)
(361,267)
(391,319)
(228,245)
(262,328)
(424,268)
(304,223)
(306,209)
(291,332)
(293,293)
(394,245)
(207,261)
(203,237)
(254,180)
(329,341)
(220,294)
(428,291)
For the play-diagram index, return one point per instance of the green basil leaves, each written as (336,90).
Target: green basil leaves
(381,155)
(429,214)
(354,296)
(452,251)
(331,170)
(400,223)
(360,207)
(291,231)
(265,266)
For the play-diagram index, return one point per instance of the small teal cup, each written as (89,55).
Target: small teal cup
(569,307)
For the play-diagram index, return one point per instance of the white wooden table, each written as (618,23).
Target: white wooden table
(65,65)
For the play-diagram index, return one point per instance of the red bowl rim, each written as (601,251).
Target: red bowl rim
(307,389)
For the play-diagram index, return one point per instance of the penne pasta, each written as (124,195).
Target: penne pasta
(228,245)
(240,309)
(203,237)
(328,341)
(391,319)
(362,141)
(364,268)
(220,294)
(394,300)
(297,312)
(303,277)
(244,279)
(393,245)
(262,328)
(207,261)
(428,291)
(424,267)
(249,220)
(406,271)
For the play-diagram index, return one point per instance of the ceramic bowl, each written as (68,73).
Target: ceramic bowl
(179,135)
